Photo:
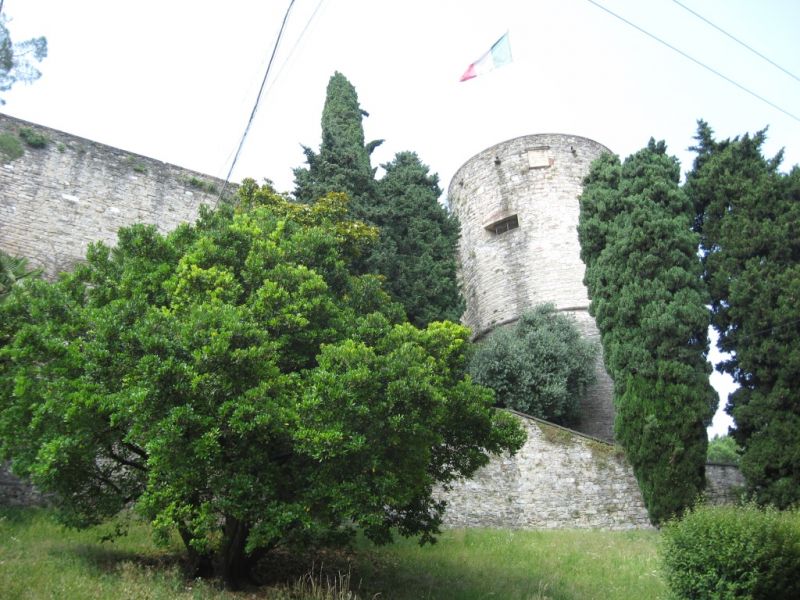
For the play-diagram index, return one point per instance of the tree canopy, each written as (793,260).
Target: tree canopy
(415,252)
(18,59)
(748,217)
(644,281)
(541,365)
(236,381)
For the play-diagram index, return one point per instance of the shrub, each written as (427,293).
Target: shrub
(10,148)
(34,139)
(540,366)
(723,449)
(733,552)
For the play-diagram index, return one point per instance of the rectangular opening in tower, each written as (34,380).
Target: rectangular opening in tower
(503,225)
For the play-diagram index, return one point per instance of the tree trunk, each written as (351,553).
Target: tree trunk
(236,564)
(200,565)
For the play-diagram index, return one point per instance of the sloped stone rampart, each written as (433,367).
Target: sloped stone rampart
(559,479)
(57,199)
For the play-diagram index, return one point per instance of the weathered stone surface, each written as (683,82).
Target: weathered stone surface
(16,492)
(724,483)
(538,178)
(55,200)
(559,479)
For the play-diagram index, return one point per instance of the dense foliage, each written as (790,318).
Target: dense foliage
(416,247)
(13,269)
(731,552)
(18,59)
(415,252)
(540,366)
(236,382)
(648,299)
(748,217)
(723,449)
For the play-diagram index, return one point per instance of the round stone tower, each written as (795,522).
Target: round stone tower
(518,207)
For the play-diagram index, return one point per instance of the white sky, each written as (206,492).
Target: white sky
(176,79)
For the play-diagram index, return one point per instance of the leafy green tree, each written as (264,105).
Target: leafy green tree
(236,382)
(416,249)
(643,277)
(540,366)
(723,449)
(748,217)
(18,60)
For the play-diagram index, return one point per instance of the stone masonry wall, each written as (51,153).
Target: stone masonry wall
(537,179)
(559,479)
(724,483)
(55,200)
(16,492)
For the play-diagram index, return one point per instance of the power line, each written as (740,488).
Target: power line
(735,39)
(258,99)
(694,60)
(274,80)
(296,44)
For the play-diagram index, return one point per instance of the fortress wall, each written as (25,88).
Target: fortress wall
(532,182)
(56,199)
(724,483)
(559,478)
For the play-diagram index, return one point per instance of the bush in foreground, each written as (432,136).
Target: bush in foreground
(238,382)
(733,552)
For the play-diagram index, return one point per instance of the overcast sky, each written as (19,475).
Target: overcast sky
(176,80)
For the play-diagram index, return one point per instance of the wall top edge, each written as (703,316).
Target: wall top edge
(106,147)
(533,138)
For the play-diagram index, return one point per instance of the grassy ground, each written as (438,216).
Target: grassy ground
(38,559)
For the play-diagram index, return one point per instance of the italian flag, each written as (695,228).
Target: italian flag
(497,56)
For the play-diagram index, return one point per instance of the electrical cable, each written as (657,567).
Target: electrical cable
(694,60)
(738,41)
(286,61)
(255,105)
(296,44)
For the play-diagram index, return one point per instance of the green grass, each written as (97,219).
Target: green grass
(525,565)
(39,559)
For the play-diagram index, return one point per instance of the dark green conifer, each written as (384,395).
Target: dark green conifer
(415,251)
(648,298)
(748,217)
(343,162)
(416,248)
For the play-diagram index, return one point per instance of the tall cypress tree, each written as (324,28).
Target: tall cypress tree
(748,217)
(416,247)
(343,161)
(643,277)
